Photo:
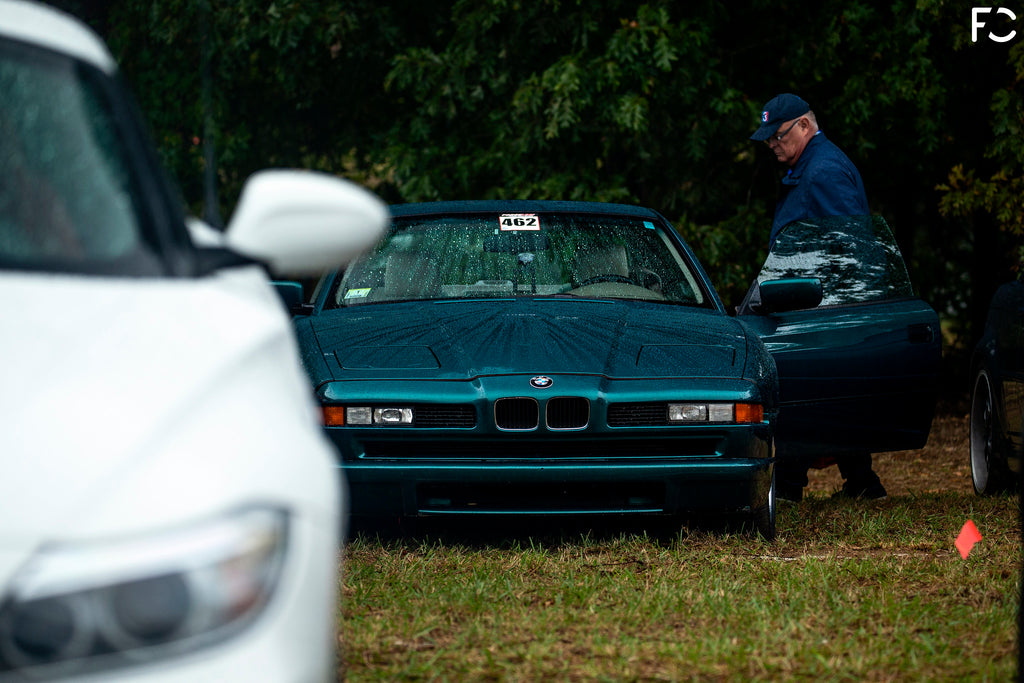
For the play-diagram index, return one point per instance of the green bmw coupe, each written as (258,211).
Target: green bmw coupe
(566,358)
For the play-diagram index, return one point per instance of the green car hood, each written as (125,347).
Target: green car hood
(459,340)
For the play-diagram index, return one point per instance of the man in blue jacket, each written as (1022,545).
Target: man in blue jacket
(821,181)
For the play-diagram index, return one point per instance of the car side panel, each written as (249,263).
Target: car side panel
(854,377)
(1007,329)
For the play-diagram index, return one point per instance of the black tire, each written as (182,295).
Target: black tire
(763,516)
(989,471)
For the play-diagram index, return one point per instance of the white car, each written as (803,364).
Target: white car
(169,506)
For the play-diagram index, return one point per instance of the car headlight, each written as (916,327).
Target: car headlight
(108,604)
(720,413)
(365,416)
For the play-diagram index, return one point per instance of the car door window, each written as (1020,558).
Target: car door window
(855,258)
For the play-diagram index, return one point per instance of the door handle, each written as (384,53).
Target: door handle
(920,333)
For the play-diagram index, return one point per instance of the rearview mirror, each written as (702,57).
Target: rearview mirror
(303,222)
(796,294)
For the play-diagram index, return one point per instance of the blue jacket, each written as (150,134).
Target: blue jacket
(824,182)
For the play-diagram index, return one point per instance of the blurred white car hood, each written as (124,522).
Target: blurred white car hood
(110,384)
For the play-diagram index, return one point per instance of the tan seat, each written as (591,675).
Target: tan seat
(410,276)
(594,262)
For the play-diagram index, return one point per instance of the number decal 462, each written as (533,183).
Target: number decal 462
(518,221)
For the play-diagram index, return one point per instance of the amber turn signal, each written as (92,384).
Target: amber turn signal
(334,416)
(747,413)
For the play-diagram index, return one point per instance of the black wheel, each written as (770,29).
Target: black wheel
(989,471)
(609,278)
(763,515)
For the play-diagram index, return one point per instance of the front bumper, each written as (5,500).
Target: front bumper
(578,489)
(726,470)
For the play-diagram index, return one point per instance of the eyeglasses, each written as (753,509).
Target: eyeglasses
(778,138)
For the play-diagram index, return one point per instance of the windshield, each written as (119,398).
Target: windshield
(507,255)
(67,200)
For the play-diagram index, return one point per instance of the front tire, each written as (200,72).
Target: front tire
(764,514)
(989,471)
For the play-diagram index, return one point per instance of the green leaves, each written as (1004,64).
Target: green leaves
(640,102)
(572,101)
(561,83)
(998,191)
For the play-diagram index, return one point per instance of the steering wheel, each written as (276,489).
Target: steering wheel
(609,278)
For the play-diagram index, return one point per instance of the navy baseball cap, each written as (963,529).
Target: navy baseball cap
(785,107)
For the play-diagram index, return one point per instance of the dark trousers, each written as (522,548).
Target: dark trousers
(791,472)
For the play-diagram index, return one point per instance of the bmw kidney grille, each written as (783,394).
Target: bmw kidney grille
(516,414)
(523,413)
(568,412)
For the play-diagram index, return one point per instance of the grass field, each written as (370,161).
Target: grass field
(850,591)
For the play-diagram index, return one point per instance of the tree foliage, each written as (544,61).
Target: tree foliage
(998,191)
(648,102)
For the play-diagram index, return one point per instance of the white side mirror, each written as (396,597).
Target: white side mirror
(303,222)
(202,233)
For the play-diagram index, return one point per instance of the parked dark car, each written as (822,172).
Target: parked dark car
(997,394)
(546,358)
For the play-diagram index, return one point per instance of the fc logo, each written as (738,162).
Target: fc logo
(977,22)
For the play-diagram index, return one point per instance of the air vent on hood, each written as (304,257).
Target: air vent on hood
(386,357)
(693,360)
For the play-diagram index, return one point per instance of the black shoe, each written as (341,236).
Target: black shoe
(873,491)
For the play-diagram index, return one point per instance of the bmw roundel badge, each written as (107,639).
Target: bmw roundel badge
(541,382)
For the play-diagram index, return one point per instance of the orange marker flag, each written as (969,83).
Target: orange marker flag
(969,535)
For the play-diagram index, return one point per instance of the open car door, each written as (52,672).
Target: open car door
(859,370)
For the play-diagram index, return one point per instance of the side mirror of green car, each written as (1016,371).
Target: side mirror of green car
(779,296)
